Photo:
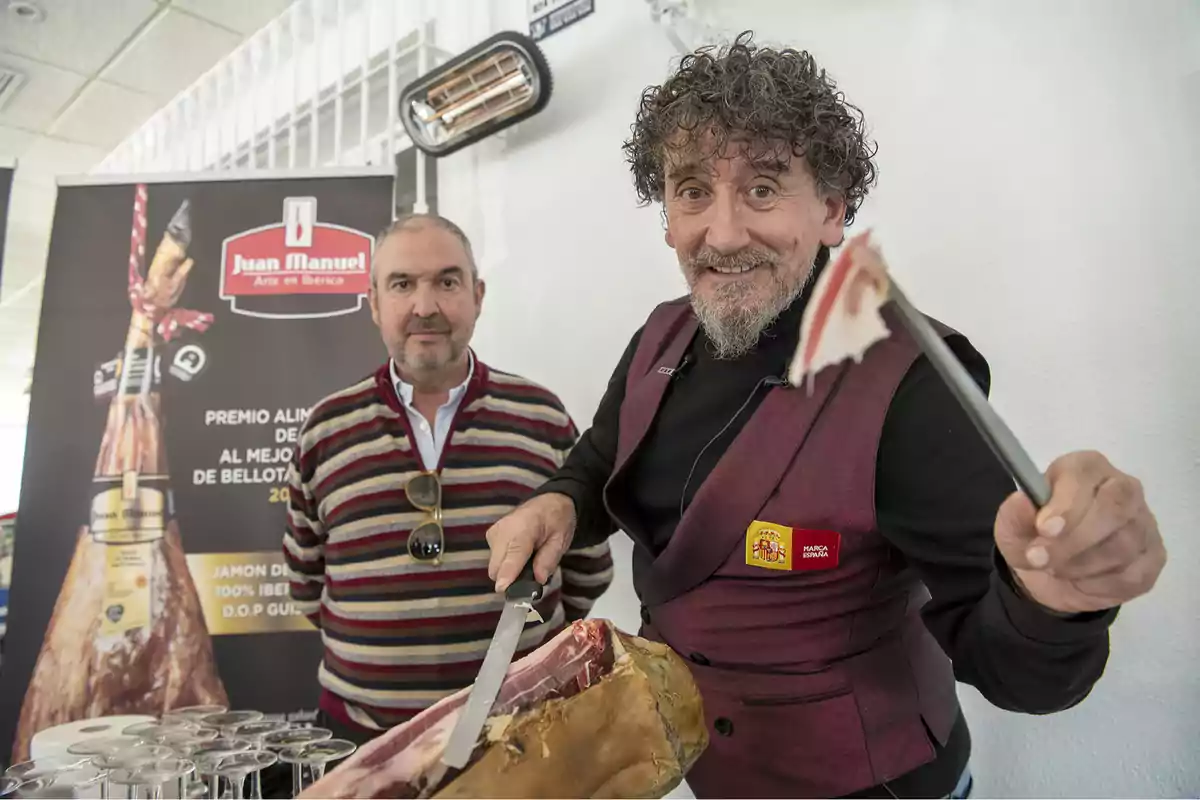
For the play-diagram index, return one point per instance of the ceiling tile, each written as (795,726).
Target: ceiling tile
(104,115)
(14,143)
(46,158)
(79,35)
(170,54)
(239,15)
(45,91)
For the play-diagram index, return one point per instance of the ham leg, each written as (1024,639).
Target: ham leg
(554,730)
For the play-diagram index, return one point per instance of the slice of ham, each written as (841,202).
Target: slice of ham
(842,320)
(541,738)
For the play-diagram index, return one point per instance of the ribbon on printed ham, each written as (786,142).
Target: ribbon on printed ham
(842,320)
(594,712)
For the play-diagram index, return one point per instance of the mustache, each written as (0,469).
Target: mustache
(742,259)
(435,324)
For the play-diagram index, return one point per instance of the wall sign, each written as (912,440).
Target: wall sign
(547,17)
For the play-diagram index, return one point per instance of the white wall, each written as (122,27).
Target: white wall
(1039,189)
(12,457)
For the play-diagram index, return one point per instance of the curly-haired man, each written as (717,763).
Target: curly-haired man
(829,562)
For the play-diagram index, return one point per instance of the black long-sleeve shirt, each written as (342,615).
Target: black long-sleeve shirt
(938,488)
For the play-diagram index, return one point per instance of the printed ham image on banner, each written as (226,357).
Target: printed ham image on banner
(186,328)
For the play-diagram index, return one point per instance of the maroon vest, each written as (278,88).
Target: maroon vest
(815,683)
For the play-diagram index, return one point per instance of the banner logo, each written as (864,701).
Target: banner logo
(189,362)
(300,213)
(325,269)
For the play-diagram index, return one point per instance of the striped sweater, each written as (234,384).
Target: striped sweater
(401,634)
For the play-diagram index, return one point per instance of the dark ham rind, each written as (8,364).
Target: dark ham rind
(395,764)
(635,733)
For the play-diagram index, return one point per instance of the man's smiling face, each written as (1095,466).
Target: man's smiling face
(746,221)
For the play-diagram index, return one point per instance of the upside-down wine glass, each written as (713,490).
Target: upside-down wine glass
(43,767)
(226,721)
(75,779)
(236,767)
(124,758)
(294,737)
(208,755)
(193,713)
(316,756)
(37,774)
(184,742)
(151,731)
(90,748)
(14,787)
(150,775)
(254,732)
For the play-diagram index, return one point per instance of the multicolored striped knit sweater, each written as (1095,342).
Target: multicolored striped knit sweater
(401,634)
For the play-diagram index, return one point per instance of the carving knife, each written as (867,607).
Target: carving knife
(998,436)
(518,605)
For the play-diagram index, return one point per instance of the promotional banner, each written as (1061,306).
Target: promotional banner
(186,329)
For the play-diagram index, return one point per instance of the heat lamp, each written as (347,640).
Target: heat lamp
(496,84)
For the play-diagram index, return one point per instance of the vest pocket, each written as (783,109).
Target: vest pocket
(758,689)
(792,699)
(782,745)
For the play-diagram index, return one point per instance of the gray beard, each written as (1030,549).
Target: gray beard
(732,326)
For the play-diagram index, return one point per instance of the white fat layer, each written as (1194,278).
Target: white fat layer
(844,336)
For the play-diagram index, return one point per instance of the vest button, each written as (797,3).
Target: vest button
(699,658)
(723,726)
(645,616)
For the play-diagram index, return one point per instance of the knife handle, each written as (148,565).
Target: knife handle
(525,587)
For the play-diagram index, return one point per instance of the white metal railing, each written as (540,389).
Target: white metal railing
(316,87)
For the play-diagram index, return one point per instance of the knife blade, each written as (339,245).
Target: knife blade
(989,424)
(518,603)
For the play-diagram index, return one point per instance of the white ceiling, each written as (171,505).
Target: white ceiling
(95,71)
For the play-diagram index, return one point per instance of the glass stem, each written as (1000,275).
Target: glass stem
(297,780)
(318,771)
(239,787)
(214,787)
(256,776)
